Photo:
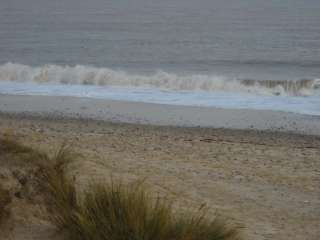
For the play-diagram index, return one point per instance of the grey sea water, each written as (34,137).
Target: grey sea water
(188,45)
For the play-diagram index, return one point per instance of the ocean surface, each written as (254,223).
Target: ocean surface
(253,54)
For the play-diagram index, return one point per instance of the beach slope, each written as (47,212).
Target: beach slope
(267,181)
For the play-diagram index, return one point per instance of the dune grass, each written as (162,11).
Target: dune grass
(5,199)
(119,212)
(10,146)
(60,191)
(129,212)
(113,211)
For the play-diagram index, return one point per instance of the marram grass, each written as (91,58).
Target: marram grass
(5,199)
(114,211)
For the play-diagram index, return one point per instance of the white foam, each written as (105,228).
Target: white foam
(80,74)
(227,100)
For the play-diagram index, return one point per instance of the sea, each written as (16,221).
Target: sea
(232,54)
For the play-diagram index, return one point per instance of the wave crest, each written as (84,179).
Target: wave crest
(107,77)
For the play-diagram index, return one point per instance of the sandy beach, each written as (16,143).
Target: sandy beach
(159,120)
(266,180)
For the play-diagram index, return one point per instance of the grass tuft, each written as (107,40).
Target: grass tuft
(5,199)
(119,212)
(60,190)
(10,146)
(112,211)
(126,212)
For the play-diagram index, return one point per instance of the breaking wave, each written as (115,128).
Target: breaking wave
(107,77)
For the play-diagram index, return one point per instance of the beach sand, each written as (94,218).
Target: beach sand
(159,114)
(268,181)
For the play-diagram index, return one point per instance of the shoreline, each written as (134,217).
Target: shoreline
(159,114)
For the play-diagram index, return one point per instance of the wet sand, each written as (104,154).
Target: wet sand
(157,114)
